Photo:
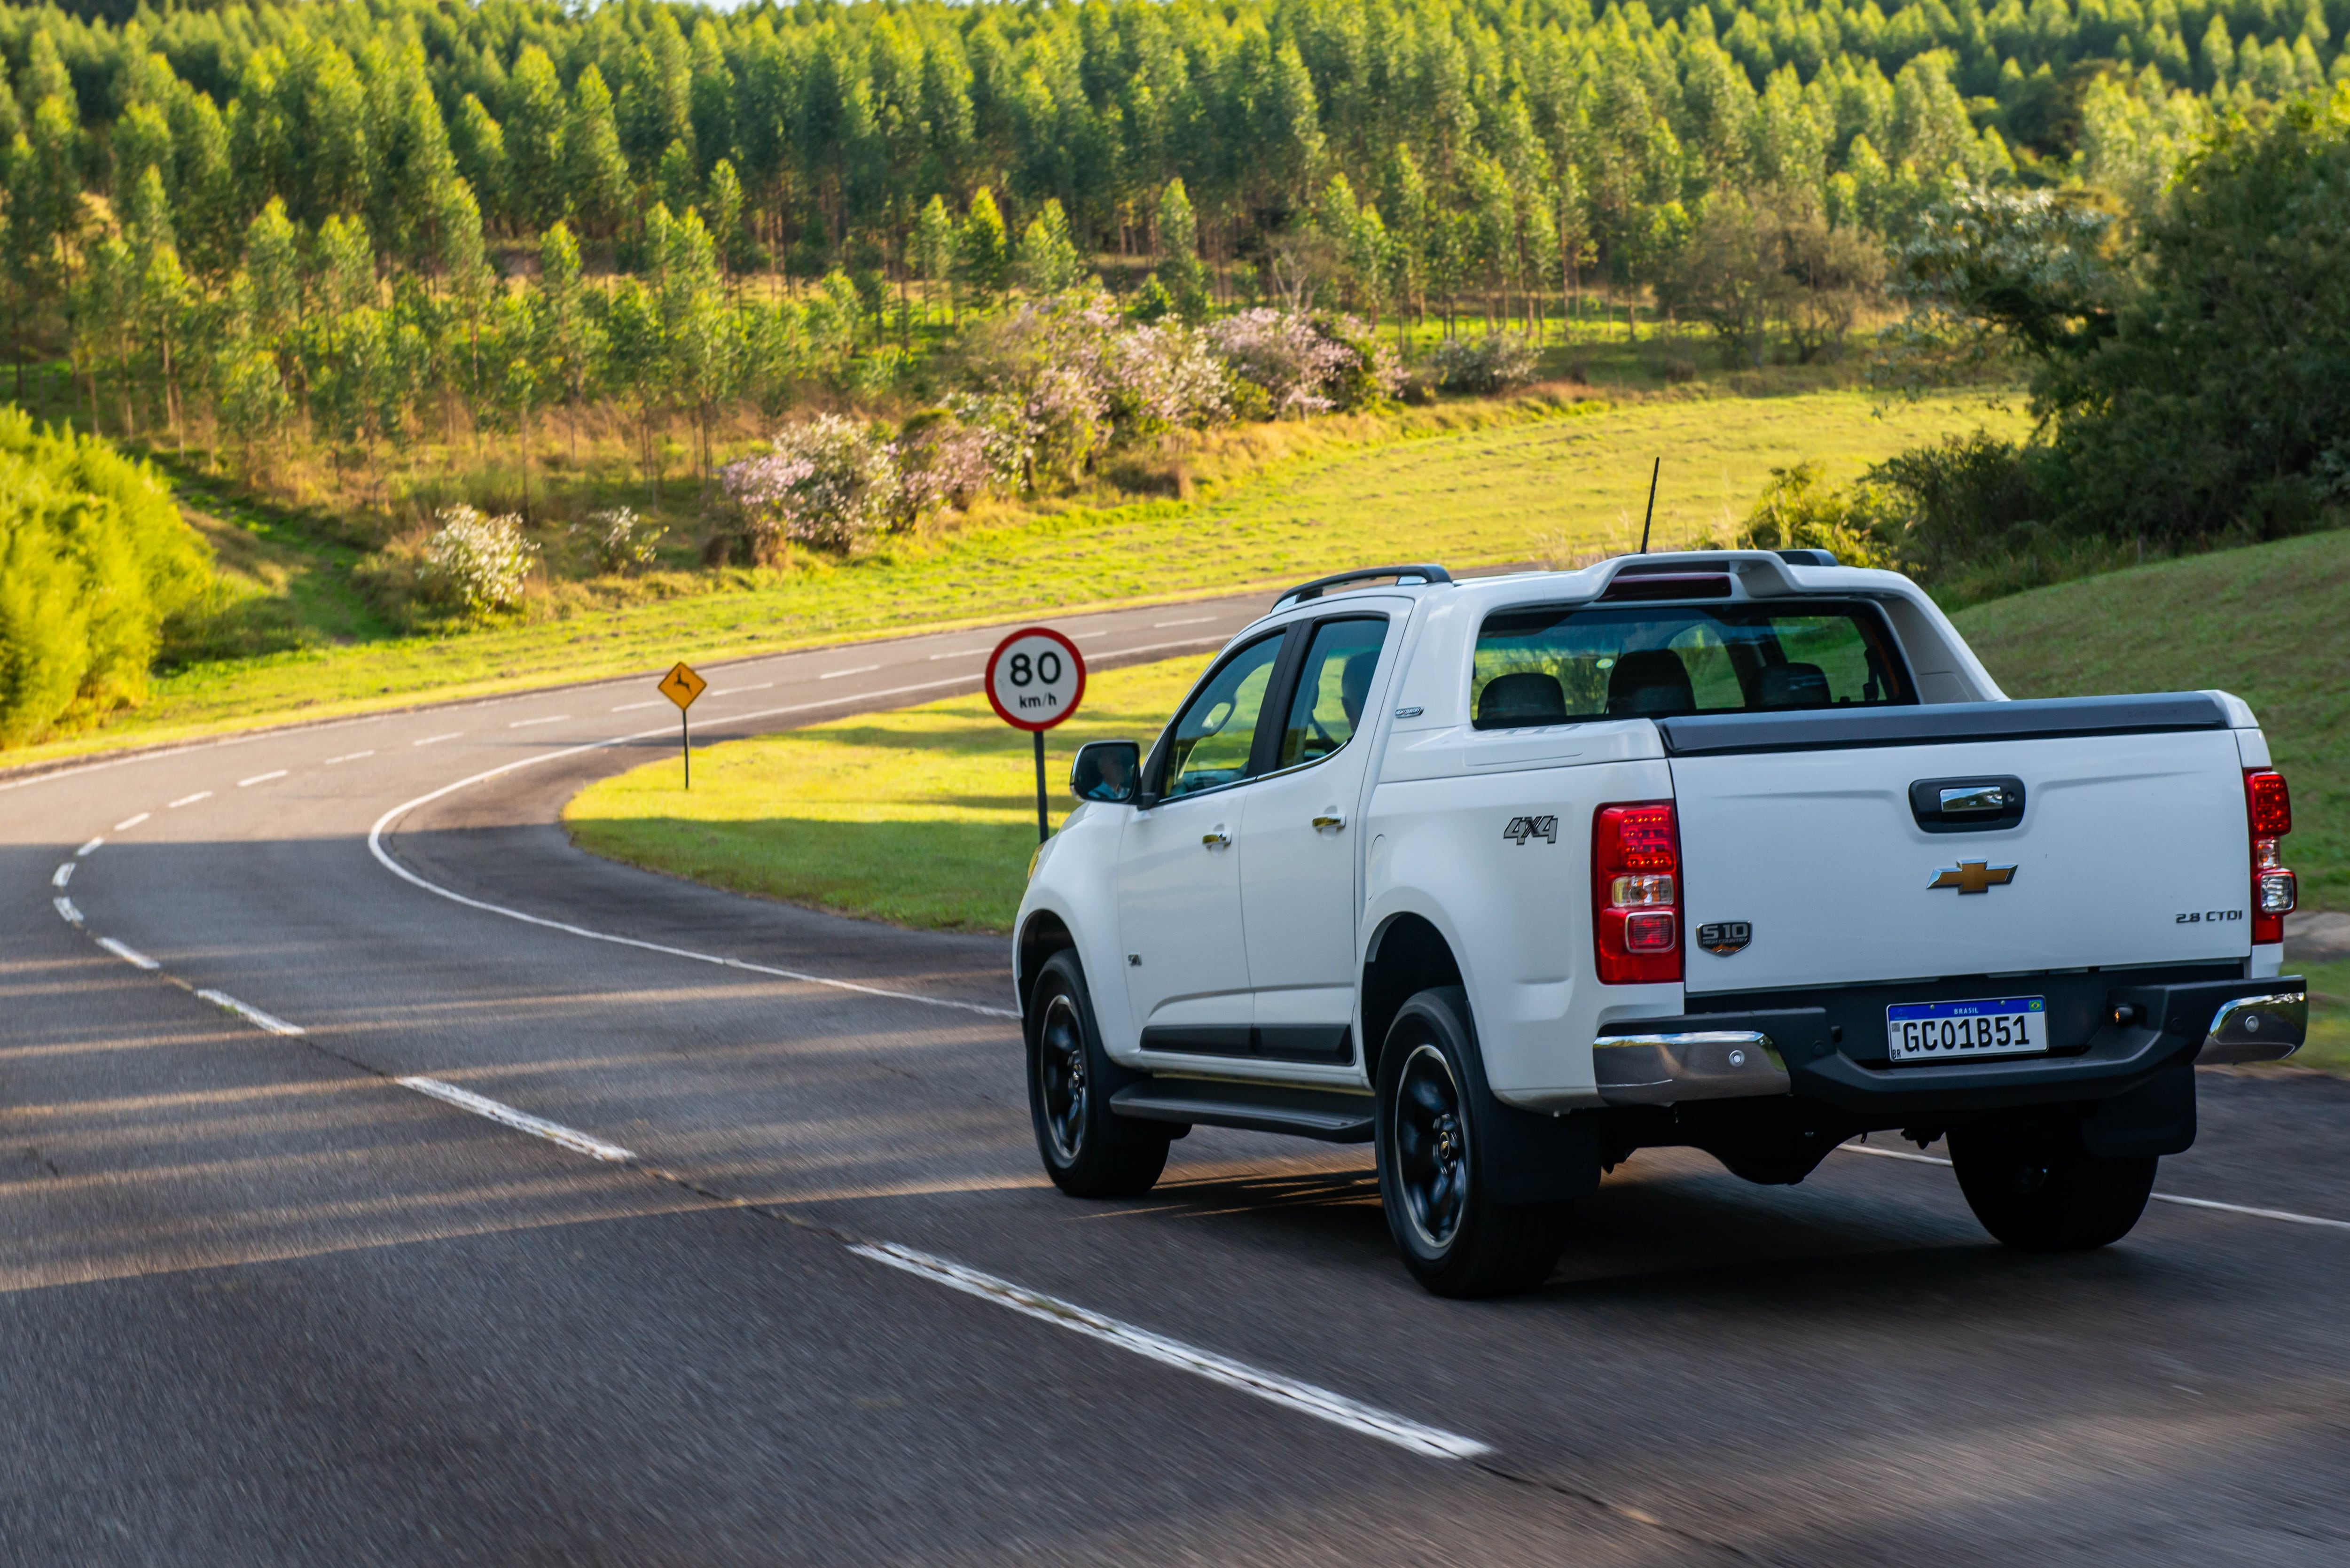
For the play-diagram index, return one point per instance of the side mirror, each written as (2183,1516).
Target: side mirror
(1106,770)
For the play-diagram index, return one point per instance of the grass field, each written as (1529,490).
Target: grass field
(1544,479)
(925,816)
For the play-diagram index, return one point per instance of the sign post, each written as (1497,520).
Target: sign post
(681,686)
(1036,679)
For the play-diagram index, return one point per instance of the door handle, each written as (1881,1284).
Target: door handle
(1219,839)
(1332,819)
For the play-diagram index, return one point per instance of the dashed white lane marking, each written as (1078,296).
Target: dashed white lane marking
(188,800)
(959,653)
(260,778)
(436,740)
(2285,1216)
(1187,621)
(62,875)
(128,953)
(1305,1397)
(348,757)
(383,858)
(251,1013)
(526,723)
(859,669)
(66,910)
(481,1105)
(127,823)
(730,691)
(85,851)
(632,707)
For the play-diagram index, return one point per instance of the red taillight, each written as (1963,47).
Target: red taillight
(2268,810)
(1636,904)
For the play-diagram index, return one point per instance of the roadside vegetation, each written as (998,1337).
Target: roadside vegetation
(461,332)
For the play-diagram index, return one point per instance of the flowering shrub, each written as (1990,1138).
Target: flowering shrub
(1306,364)
(623,540)
(942,462)
(1162,377)
(480,562)
(829,482)
(1494,363)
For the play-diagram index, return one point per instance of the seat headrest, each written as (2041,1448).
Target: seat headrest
(1526,697)
(1652,683)
(1791,686)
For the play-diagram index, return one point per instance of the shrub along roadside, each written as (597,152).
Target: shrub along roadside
(93,557)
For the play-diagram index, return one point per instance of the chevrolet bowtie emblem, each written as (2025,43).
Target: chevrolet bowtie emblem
(1972,876)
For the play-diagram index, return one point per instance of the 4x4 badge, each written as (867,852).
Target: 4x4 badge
(1972,876)
(1523,828)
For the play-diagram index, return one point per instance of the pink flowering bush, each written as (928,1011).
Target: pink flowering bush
(829,482)
(1306,364)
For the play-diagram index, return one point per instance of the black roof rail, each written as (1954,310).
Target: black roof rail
(1426,573)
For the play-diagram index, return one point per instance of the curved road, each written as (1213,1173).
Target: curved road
(777,1279)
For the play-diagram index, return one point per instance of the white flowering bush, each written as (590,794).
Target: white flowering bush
(829,482)
(624,541)
(1164,376)
(1494,363)
(480,562)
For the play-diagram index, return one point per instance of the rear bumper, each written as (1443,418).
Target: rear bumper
(1801,1052)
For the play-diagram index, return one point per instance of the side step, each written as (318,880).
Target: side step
(1332,1115)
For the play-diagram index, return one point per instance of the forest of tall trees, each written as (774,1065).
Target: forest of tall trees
(353,220)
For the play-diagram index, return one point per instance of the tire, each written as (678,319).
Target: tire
(1088,1151)
(2037,1190)
(1433,1131)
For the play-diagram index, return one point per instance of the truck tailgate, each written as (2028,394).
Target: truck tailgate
(2131,850)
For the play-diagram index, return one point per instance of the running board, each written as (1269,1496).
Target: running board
(1328,1115)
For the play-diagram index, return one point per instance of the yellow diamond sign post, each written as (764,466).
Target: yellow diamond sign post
(681,686)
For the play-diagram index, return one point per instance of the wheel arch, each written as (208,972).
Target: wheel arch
(1041,934)
(1407,954)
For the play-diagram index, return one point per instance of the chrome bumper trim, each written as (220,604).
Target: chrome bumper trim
(2257,1029)
(1665,1069)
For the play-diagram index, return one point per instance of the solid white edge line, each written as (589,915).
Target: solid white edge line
(127,823)
(128,953)
(1306,1398)
(66,910)
(188,800)
(383,858)
(62,875)
(2284,1215)
(88,849)
(252,1014)
(522,1121)
(260,778)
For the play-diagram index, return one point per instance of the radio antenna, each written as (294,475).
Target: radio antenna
(1651,517)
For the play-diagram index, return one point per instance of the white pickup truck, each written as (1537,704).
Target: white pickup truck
(1740,850)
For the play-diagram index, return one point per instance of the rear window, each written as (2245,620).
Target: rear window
(1557,664)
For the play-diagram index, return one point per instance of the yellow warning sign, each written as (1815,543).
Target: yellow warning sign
(682,685)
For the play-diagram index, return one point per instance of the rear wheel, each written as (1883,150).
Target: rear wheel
(2036,1189)
(1088,1151)
(1433,1169)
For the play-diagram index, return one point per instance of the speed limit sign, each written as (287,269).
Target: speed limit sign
(1036,679)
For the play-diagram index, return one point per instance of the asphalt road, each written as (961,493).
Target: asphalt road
(261,1303)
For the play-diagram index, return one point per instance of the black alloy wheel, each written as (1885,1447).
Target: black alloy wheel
(1431,1142)
(1434,1161)
(1061,1078)
(1088,1150)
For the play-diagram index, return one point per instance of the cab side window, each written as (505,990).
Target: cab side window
(1332,684)
(1216,731)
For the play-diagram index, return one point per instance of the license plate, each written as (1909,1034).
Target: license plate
(1953,1030)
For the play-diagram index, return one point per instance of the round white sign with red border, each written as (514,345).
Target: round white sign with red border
(1035,678)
